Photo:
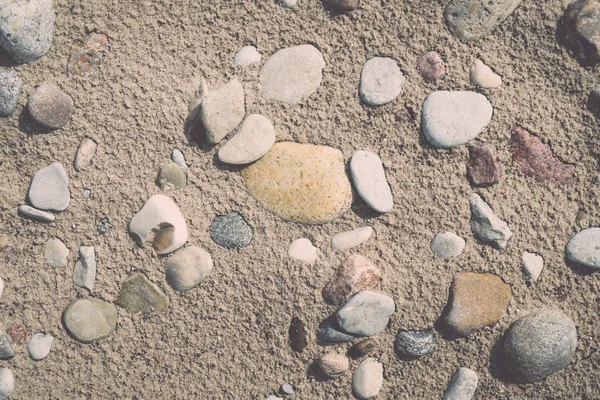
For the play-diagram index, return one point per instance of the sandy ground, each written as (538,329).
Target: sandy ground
(228,338)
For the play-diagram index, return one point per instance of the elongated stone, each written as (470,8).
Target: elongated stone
(222,110)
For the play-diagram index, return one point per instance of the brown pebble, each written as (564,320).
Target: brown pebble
(356,274)
(4,242)
(297,335)
(85,153)
(431,66)
(85,58)
(342,5)
(49,106)
(362,348)
(163,238)
(580,215)
(17,333)
(483,169)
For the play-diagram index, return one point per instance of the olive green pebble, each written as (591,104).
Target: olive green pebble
(172,176)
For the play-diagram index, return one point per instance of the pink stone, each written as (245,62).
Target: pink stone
(356,274)
(483,169)
(431,66)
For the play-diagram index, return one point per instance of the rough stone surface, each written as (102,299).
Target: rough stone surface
(344,241)
(171,176)
(50,107)
(483,76)
(431,66)
(533,265)
(85,58)
(414,343)
(475,19)
(342,5)
(49,189)
(302,250)
(56,253)
(39,346)
(33,213)
(356,274)
(483,168)
(486,226)
(369,180)
(139,295)
(222,110)
(334,365)
(90,320)
(253,140)
(446,245)
(246,56)
(367,379)
(366,314)
(188,267)
(10,89)
(381,81)
(85,153)
(584,248)
(462,385)
(580,30)
(178,158)
(7,383)
(6,349)
(231,231)
(84,274)
(330,334)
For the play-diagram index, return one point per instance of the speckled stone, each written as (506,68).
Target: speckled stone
(10,89)
(50,107)
(475,19)
(355,274)
(188,267)
(584,248)
(139,295)
(231,231)
(171,176)
(85,58)
(414,343)
(431,66)
(90,320)
(483,168)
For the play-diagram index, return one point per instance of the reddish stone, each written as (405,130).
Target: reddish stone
(483,169)
(362,348)
(431,66)
(17,333)
(356,274)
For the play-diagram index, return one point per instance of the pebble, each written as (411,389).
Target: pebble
(539,344)
(301,183)
(446,245)
(49,189)
(139,295)
(85,58)
(288,3)
(475,19)
(56,253)
(483,76)
(10,89)
(7,383)
(5,242)
(85,153)
(171,176)
(381,81)
(253,140)
(246,56)
(26,28)
(222,110)
(451,119)
(330,334)
(33,213)
(162,212)
(355,274)
(595,93)
(366,314)
(581,30)
(17,334)
(50,107)
(231,231)
(1,286)
(414,343)
(178,158)
(104,226)
(344,241)
(188,267)
(362,348)
(297,331)
(583,248)
(273,397)
(84,274)
(431,66)
(287,388)
(369,180)
(39,346)
(533,265)
(90,320)
(292,74)
(475,300)
(302,250)
(6,350)
(367,379)
(483,168)
(486,226)
(334,365)
(462,385)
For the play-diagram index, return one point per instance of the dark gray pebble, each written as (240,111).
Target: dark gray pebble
(231,231)
(414,343)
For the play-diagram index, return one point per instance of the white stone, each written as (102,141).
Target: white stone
(346,240)
(36,214)
(287,388)
(1,287)
(369,180)
(462,385)
(56,253)
(367,379)
(10,89)
(302,250)
(253,140)
(85,153)
(584,248)
(49,189)
(188,267)
(486,226)
(222,110)
(483,76)
(7,383)
(84,274)
(288,3)
(533,265)
(39,346)
(273,397)
(178,158)
(381,81)
(451,119)
(246,56)
(334,365)
(292,74)
(366,313)
(447,244)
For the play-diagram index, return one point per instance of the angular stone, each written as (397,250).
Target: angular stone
(56,253)
(84,274)
(222,110)
(381,81)
(51,107)
(85,153)
(369,180)
(36,214)
(483,168)
(139,295)
(90,320)
(431,66)
(580,26)
(330,334)
(356,274)
(342,5)
(483,76)
(7,383)
(246,56)
(49,189)
(462,385)
(231,231)
(39,346)
(172,176)
(253,140)
(475,19)
(366,314)
(486,226)
(10,89)
(188,267)
(413,344)
(446,245)
(584,248)
(302,250)
(367,379)
(6,349)
(334,365)
(533,265)
(85,58)
(344,241)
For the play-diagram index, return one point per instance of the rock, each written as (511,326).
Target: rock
(231,231)
(139,295)
(486,226)
(414,343)
(253,140)
(84,274)
(32,213)
(104,226)
(580,30)
(362,348)
(6,349)
(381,81)
(5,242)
(483,76)
(334,365)
(446,245)
(188,267)
(431,66)
(330,334)
(476,300)
(178,158)
(7,383)
(292,74)
(367,379)
(10,89)
(451,119)
(483,169)
(17,334)
(288,3)
(342,5)
(533,265)
(539,344)
(90,320)
(595,93)
(222,110)
(246,56)
(56,253)
(161,223)
(368,175)
(356,274)
(583,248)
(287,388)
(301,182)
(302,250)
(171,176)
(49,189)
(26,28)
(39,346)
(85,153)
(475,19)
(366,314)
(536,160)
(1,286)
(50,107)
(273,397)
(298,341)
(85,58)
(462,385)
(344,241)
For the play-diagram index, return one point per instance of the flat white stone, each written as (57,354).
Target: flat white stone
(483,76)
(49,189)
(253,140)
(447,244)
(7,383)
(462,385)
(85,153)
(366,314)
(246,56)
(533,265)
(288,3)
(56,253)
(178,158)
(381,81)
(302,250)
(222,110)
(367,379)
(36,214)
(84,274)
(368,175)
(346,240)
(39,346)
(486,226)
(584,248)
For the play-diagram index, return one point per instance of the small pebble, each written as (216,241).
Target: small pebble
(85,58)
(475,19)
(298,340)
(414,343)
(7,383)
(367,379)
(10,89)
(51,107)
(362,348)
(486,226)
(483,168)
(222,110)
(104,226)
(246,56)
(89,320)
(1,286)
(334,365)
(56,253)
(366,314)
(49,189)
(462,385)
(6,350)
(178,158)
(344,241)
(85,153)
(446,245)
(87,193)
(273,397)
(39,346)
(139,295)
(580,25)
(17,334)
(253,140)
(483,76)
(5,242)
(84,274)
(288,3)
(231,231)
(596,93)
(302,250)
(287,388)
(171,176)
(36,214)
(330,334)
(369,180)
(355,274)
(342,5)
(533,265)
(583,248)
(381,81)
(431,66)
(188,267)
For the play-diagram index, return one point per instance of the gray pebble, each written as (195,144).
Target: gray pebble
(104,226)
(84,274)
(596,93)
(462,385)
(370,182)
(366,313)
(486,226)
(7,383)
(414,343)
(188,267)
(36,214)
(10,89)
(381,81)
(50,107)
(447,245)
(474,19)
(139,295)
(231,231)
(172,176)
(6,349)
(49,189)
(39,346)
(178,158)
(56,253)
(330,334)
(89,320)
(222,110)
(584,248)
(287,388)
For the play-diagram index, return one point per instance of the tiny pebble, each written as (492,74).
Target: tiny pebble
(51,107)
(7,383)
(84,274)
(39,346)
(49,189)
(287,388)
(446,245)
(17,333)
(475,19)
(334,365)
(246,56)
(367,379)
(56,253)
(533,265)
(178,158)
(483,76)
(302,250)
(10,89)
(85,153)
(104,226)
(462,385)
(431,66)
(186,268)
(414,343)
(369,180)
(231,231)
(344,241)
(36,214)
(381,81)
(486,226)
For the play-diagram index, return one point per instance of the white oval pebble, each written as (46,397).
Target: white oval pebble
(462,385)
(39,346)
(246,56)
(178,158)
(369,179)
(381,81)
(483,76)
(288,3)
(1,287)
(533,265)
(584,248)
(346,240)
(446,245)
(253,140)
(367,379)
(36,214)
(302,250)
(366,314)
(7,383)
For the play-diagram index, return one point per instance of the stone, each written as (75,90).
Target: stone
(334,365)
(414,343)
(476,300)
(1,286)
(171,176)
(50,107)
(300,183)
(330,334)
(5,242)
(253,140)
(10,89)
(56,253)
(486,226)
(188,267)
(39,346)
(6,350)
(17,334)
(104,226)
(178,158)
(367,379)
(462,385)
(231,231)
(362,348)
(431,66)
(595,93)
(381,81)
(32,213)
(26,28)
(366,314)
(355,274)
(292,74)
(90,320)
(483,76)
(475,19)
(533,265)
(369,180)
(139,295)
(161,223)
(535,159)
(85,58)
(342,5)
(49,189)
(447,245)
(7,383)
(584,248)
(85,153)
(302,250)
(288,3)
(297,331)
(84,274)
(273,397)
(580,30)
(539,344)
(451,119)
(345,241)
(222,110)
(287,388)
(246,56)
(483,168)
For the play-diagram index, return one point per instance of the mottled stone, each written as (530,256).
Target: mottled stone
(253,140)
(330,334)
(462,385)
(381,81)
(188,267)
(356,274)
(486,226)
(342,5)
(246,56)
(447,245)
(414,343)
(344,241)
(50,107)
(39,346)
(49,189)
(90,320)
(431,66)
(584,248)
(85,153)
(139,295)
(367,379)
(366,314)
(17,334)
(171,176)
(362,348)
(369,180)
(85,58)
(231,231)
(483,168)
(56,253)
(33,213)
(84,274)
(334,365)
(580,30)
(6,349)
(475,19)
(10,89)
(533,265)
(483,76)
(5,242)
(222,110)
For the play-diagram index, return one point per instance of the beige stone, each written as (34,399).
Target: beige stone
(356,274)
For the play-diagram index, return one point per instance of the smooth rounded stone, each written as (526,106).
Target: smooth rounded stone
(84,274)
(171,176)
(6,350)
(446,245)
(362,348)
(580,30)
(486,226)
(288,3)
(367,379)
(462,385)
(292,74)
(10,89)
(366,314)
(85,153)
(475,19)
(414,343)
(273,397)
(50,107)
(253,140)
(246,56)
(231,231)
(139,295)
(584,248)
(7,383)
(33,213)
(178,158)
(483,168)
(90,320)
(355,274)
(302,250)
(222,110)
(451,119)
(431,66)
(49,189)
(344,241)
(334,365)
(342,5)
(301,183)
(369,180)
(287,388)
(381,81)
(330,334)
(56,253)
(39,346)
(533,265)
(483,76)
(188,267)
(26,28)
